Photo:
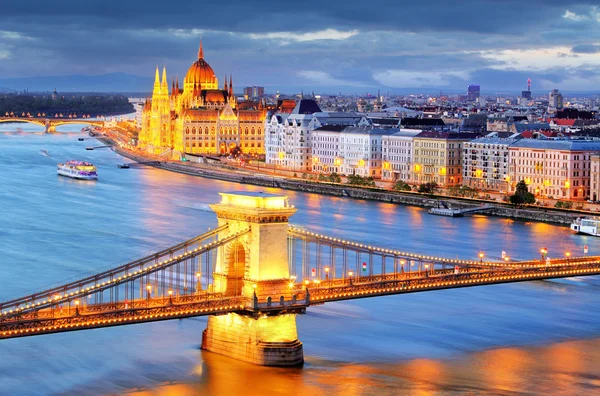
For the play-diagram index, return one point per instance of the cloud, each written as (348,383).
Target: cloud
(586,49)
(575,17)
(418,79)
(333,43)
(325,79)
(327,34)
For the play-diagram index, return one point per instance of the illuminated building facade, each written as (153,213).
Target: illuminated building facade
(200,118)
(486,163)
(348,150)
(553,168)
(438,157)
(288,136)
(397,151)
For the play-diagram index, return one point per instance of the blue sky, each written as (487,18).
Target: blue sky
(322,45)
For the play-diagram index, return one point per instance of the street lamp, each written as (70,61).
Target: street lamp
(506,259)
(544,252)
(198,282)
(567,255)
(170,292)
(326,273)
(149,289)
(76,307)
(481,257)
(426,270)
(350,274)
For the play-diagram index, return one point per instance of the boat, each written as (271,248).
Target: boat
(44,153)
(77,170)
(589,225)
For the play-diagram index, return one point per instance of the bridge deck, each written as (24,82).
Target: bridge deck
(171,282)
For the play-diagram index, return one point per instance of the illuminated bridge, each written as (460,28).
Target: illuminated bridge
(252,273)
(50,124)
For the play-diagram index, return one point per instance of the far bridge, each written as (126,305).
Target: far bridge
(50,124)
(252,275)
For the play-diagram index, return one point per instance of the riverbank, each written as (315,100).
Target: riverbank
(548,215)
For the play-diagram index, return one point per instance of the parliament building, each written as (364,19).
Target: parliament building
(200,118)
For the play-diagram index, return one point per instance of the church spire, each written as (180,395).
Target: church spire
(177,85)
(225,83)
(173,86)
(164,84)
(230,85)
(200,50)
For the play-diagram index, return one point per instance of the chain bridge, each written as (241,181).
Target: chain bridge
(50,124)
(252,275)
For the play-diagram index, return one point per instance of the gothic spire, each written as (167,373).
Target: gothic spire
(230,85)
(200,50)
(225,83)
(156,81)
(164,83)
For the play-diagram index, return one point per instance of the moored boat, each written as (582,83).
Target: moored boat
(587,225)
(77,170)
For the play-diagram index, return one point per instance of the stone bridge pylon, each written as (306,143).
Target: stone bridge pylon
(254,266)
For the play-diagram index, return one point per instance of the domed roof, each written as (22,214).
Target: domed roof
(201,73)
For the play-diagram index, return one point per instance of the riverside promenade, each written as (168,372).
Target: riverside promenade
(251,176)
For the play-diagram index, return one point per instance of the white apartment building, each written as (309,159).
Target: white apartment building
(288,136)
(349,150)
(486,163)
(397,150)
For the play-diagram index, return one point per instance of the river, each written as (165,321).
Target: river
(534,337)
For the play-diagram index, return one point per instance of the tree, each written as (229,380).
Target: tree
(428,188)
(335,178)
(358,180)
(401,185)
(522,196)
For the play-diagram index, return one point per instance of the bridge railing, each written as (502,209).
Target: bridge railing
(315,257)
(181,262)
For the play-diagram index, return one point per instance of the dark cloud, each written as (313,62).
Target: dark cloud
(586,49)
(269,43)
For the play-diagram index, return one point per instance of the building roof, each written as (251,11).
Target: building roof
(566,145)
(448,135)
(332,128)
(494,140)
(370,130)
(367,129)
(422,122)
(306,106)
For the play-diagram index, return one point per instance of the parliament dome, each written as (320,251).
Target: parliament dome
(200,73)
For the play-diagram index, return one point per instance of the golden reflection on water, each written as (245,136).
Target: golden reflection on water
(415,215)
(566,368)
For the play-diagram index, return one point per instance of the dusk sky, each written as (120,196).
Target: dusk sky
(313,45)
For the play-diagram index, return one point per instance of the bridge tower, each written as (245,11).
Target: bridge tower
(254,266)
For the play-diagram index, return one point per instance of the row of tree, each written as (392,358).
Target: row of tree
(93,104)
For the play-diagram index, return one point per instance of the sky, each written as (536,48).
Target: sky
(333,45)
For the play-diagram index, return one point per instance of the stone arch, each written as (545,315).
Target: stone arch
(236,269)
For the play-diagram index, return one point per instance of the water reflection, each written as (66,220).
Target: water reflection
(564,368)
(425,343)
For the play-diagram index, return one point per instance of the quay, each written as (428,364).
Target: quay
(547,215)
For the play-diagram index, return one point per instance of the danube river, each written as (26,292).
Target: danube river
(536,337)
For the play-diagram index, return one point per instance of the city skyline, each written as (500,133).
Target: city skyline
(327,47)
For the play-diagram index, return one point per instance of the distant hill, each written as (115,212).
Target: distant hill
(111,82)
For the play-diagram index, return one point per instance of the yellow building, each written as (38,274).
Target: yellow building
(200,118)
(437,157)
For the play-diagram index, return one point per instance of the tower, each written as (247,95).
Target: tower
(254,266)
(157,136)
